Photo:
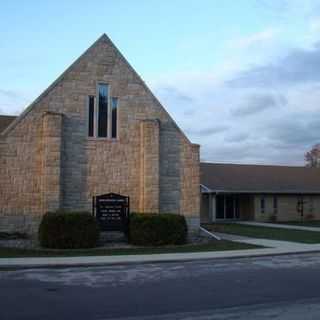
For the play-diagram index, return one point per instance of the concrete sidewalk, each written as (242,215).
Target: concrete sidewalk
(271,248)
(279,226)
(268,243)
(44,262)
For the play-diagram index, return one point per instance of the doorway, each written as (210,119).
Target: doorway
(227,207)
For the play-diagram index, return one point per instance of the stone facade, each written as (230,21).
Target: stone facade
(249,206)
(47,160)
(287,207)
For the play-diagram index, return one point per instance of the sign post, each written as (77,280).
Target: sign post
(112,212)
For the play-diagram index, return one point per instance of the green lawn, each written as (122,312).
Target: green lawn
(267,233)
(312,223)
(212,246)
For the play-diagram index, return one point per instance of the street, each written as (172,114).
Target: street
(283,287)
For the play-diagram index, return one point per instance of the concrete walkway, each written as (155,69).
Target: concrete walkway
(275,248)
(268,243)
(271,248)
(279,226)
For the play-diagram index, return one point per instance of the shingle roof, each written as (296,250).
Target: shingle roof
(259,178)
(5,121)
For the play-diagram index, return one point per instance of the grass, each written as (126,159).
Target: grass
(267,233)
(311,223)
(212,246)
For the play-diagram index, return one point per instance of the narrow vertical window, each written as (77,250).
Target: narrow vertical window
(311,205)
(262,205)
(275,205)
(114,110)
(91,116)
(300,206)
(103,91)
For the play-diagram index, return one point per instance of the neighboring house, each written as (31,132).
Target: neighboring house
(96,129)
(258,192)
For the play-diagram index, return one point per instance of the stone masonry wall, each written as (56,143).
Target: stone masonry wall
(287,207)
(170,162)
(21,177)
(31,180)
(149,171)
(51,161)
(190,183)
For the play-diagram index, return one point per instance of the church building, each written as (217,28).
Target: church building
(97,129)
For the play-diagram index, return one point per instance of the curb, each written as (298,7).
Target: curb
(20,266)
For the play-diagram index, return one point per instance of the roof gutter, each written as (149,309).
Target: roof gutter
(261,192)
(205,189)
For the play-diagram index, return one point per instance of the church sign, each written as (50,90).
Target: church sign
(112,212)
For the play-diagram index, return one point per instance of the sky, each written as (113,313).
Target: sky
(241,78)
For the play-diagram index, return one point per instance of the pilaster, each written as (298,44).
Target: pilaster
(149,171)
(51,161)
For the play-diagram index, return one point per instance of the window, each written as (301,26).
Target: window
(91,116)
(229,207)
(275,205)
(236,207)
(103,91)
(114,108)
(102,113)
(262,205)
(300,206)
(311,205)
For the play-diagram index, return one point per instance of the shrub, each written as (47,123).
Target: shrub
(68,230)
(157,229)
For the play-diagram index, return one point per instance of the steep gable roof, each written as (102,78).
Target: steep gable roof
(219,177)
(5,121)
(106,39)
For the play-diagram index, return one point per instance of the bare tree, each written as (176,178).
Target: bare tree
(312,157)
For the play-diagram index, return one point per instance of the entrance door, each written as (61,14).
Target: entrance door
(227,207)
(219,207)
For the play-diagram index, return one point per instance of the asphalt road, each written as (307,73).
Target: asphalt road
(284,287)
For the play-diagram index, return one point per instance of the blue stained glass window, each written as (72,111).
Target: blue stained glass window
(103,110)
(114,111)
(91,116)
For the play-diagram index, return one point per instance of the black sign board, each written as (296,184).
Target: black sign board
(112,212)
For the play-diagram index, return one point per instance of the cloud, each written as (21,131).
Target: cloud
(232,125)
(207,131)
(260,111)
(174,93)
(9,94)
(252,153)
(237,137)
(12,102)
(286,9)
(299,129)
(254,39)
(257,103)
(299,66)
(315,25)
(175,96)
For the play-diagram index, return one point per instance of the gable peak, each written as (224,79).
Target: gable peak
(104,37)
